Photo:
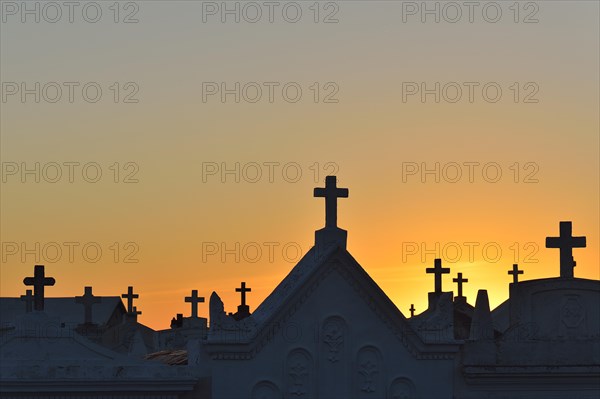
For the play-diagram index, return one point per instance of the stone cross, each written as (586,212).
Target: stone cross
(194,300)
(438,270)
(566,242)
(130,297)
(412,309)
(39,281)
(331,193)
(243,290)
(28,298)
(515,273)
(88,300)
(460,280)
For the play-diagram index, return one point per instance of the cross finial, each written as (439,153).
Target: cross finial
(515,273)
(412,310)
(460,280)
(331,193)
(130,297)
(438,270)
(39,281)
(28,298)
(88,300)
(243,309)
(566,242)
(243,290)
(194,300)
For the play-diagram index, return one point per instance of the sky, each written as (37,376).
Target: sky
(173,146)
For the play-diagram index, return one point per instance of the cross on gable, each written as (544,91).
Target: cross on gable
(412,309)
(566,242)
(515,273)
(39,281)
(88,300)
(243,290)
(28,298)
(130,297)
(331,193)
(438,270)
(460,280)
(194,300)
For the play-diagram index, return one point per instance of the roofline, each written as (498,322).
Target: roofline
(398,324)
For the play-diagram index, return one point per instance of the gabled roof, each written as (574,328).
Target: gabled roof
(286,288)
(125,336)
(300,283)
(68,311)
(500,316)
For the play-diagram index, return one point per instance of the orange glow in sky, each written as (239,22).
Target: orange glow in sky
(169,184)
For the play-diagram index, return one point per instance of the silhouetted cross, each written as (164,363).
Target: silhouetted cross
(88,300)
(515,273)
(412,309)
(459,280)
(566,242)
(130,297)
(28,298)
(243,290)
(438,270)
(39,281)
(194,300)
(331,193)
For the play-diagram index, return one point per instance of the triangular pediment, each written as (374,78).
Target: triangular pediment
(302,281)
